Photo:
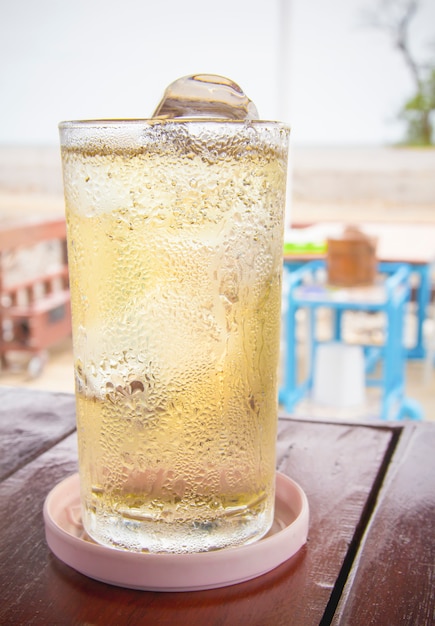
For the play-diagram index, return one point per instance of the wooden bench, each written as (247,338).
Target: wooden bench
(35,311)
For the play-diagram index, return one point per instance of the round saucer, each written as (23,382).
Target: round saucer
(174,572)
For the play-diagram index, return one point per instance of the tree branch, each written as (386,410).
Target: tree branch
(402,41)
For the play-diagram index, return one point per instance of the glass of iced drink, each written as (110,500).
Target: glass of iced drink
(175,238)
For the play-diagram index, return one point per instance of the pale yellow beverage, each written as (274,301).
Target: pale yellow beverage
(175,234)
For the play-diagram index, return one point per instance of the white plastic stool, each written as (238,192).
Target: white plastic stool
(339,375)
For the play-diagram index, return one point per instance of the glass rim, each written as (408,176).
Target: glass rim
(126,122)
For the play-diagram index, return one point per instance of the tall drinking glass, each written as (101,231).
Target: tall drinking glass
(175,238)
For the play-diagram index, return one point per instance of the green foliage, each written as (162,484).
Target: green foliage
(419,112)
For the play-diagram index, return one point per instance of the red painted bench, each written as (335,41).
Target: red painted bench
(35,311)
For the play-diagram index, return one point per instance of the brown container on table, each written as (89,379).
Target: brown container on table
(351,259)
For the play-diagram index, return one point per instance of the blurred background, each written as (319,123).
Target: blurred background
(355,79)
(334,71)
(322,66)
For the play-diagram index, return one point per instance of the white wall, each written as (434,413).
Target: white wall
(70,59)
(107,58)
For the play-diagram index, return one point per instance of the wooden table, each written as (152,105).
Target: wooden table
(370,558)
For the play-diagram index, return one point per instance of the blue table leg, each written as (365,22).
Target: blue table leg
(388,364)
(423,298)
(338,315)
(411,409)
(287,391)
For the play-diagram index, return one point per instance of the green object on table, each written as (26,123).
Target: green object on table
(305,247)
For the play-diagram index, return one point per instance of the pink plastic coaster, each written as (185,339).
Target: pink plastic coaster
(174,572)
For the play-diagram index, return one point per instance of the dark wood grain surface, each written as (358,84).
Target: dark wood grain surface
(30,423)
(394,581)
(354,478)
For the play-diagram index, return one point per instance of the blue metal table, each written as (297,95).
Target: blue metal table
(413,244)
(390,296)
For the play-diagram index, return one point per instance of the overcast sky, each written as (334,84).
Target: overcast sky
(311,63)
